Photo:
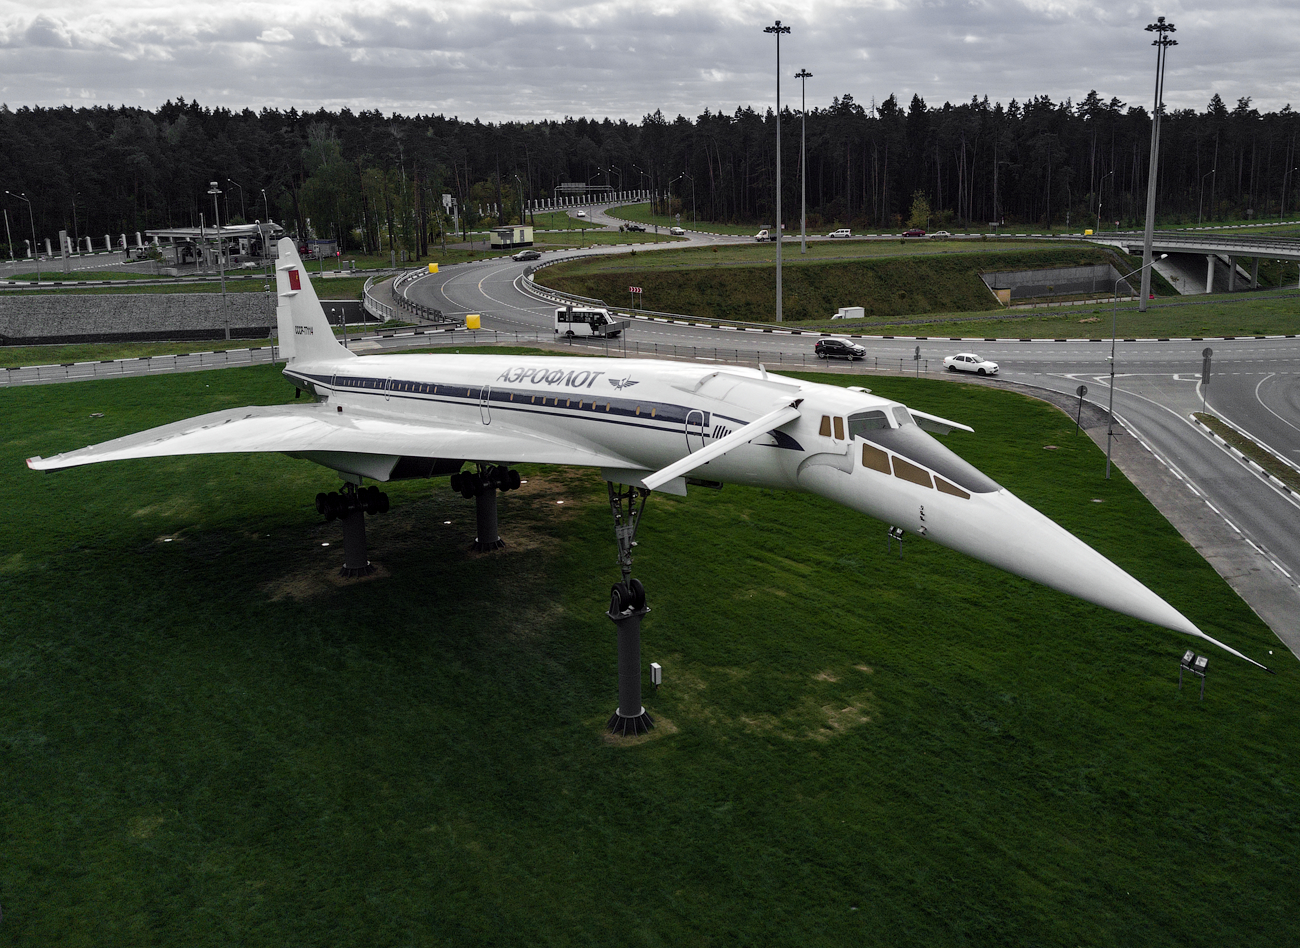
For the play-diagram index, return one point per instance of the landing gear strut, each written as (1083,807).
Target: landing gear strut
(351,504)
(626,607)
(483,485)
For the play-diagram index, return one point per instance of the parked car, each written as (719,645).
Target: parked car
(526,255)
(676,231)
(914,232)
(839,349)
(842,232)
(970,362)
(764,235)
(639,228)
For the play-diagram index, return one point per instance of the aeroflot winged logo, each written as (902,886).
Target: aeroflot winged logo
(621,384)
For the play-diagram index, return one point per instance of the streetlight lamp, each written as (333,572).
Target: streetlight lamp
(777,29)
(521,200)
(1282,209)
(1162,44)
(1200,201)
(243,215)
(803,75)
(1101,193)
(221,265)
(1114,316)
(35,255)
(692,181)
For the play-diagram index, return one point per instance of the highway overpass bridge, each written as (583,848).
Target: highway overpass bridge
(1202,261)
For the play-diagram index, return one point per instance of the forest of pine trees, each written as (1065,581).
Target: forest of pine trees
(375,182)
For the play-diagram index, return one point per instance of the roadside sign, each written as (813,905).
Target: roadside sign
(1081,391)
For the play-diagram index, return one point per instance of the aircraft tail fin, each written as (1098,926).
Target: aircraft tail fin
(305,333)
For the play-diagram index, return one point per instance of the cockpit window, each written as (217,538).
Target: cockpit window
(903,416)
(865,421)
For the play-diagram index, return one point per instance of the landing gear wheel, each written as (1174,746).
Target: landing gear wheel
(636,592)
(321,500)
(620,599)
(515,480)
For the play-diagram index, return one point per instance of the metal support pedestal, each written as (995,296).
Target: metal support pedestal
(630,719)
(354,544)
(626,608)
(485,509)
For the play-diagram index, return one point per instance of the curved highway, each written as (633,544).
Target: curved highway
(1242,522)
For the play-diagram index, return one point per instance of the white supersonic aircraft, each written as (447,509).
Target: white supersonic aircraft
(647,425)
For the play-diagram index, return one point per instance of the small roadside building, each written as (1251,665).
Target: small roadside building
(516,235)
(239,244)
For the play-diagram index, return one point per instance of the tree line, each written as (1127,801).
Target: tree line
(376,182)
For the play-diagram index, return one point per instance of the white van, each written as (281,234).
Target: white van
(572,321)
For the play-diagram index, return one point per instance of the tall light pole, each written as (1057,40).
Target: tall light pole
(1162,42)
(1114,316)
(521,200)
(242,213)
(1101,193)
(221,265)
(803,75)
(1200,201)
(35,254)
(777,29)
(1282,209)
(692,181)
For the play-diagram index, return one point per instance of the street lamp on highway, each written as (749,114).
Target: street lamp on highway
(1200,201)
(1101,193)
(803,75)
(221,265)
(1281,210)
(243,215)
(1162,42)
(1114,316)
(777,29)
(32,217)
(692,181)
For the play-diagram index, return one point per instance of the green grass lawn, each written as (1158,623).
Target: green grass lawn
(206,739)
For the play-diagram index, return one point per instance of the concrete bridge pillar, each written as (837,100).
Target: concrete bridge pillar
(1209,272)
(1254,274)
(1232,274)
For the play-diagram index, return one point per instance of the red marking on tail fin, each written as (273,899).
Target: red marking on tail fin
(294,282)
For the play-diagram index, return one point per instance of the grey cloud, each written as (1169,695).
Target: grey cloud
(623,60)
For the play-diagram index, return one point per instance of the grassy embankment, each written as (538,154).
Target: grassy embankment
(207,739)
(928,289)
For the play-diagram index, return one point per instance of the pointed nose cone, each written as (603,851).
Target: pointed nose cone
(1006,532)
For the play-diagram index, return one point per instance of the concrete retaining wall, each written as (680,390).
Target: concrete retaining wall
(61,318)
(1057,281)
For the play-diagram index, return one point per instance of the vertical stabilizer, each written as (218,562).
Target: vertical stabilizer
(305,333)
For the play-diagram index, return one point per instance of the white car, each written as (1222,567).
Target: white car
(676,231)
(970,362)
(580,214)
(940,235)
(842,232)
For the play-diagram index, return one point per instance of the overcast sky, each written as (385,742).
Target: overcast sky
(526,59)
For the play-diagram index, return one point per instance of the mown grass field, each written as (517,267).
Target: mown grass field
(206,739)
